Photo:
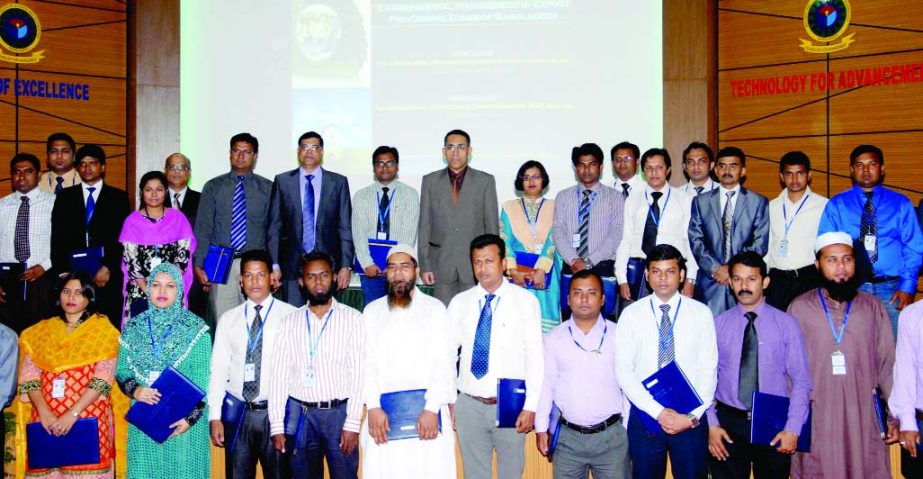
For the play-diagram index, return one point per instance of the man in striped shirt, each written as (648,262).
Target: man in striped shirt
(318,373)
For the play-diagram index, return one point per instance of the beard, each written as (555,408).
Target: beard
(840,290)
(318,299)
(399,294)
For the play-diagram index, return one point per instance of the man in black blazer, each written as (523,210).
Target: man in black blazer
(178,168)
(73,228)
(290,233)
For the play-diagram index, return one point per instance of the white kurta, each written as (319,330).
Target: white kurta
(409,349)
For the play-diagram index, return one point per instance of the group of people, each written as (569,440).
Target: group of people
(582,297)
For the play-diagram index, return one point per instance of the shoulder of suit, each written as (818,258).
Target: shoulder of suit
(334,175)
(479,173)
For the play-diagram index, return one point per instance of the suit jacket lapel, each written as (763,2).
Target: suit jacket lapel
(326,187)
(295,211)
(740,209)
(715,203)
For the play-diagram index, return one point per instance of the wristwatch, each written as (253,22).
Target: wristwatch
(74,413)
(587,263)
(694,420)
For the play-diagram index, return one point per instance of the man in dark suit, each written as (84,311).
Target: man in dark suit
(457,204)
(725,221)
(178,168)
(310,210)
(90,215)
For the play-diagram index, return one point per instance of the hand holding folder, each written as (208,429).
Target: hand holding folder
(178,397)
(671,389)
(77,447)
(770,413)
(511,397)
(403,409)
(379,251)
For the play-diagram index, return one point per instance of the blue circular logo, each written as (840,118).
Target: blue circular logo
(826,19)
(19,28)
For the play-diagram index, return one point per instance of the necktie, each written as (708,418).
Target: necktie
(666,353)
(254,357)
(698,190)
(869,223)
(21,243)
(91,204)
(480,353)
(749,371)
(726,223)
(649,240)
(60,185)
(239,216)
(583,229)
(176,204)
(625,187)
(384,214)
(307,216)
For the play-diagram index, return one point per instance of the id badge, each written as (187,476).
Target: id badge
(838,360)
(308,379)
(381,235)
(57,388)
(538,248)
(871,243)
(575,240)
(152,376)
(783,249)
(249,372)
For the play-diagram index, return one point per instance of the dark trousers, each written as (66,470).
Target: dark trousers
(253,443)
(373,288)
(648,452)
(766,461)
(320,439)
(604,268)
(109,299)
(27,303)
(912,467)
(785,286)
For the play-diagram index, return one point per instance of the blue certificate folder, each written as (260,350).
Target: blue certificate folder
(881,412)
(379,251)
(554,429)
(178,397)
(526,262)
(511,397)
(80,445)
(232,415)
(770,413)
(217,264)
(87,260)
(403,409)
(635,277)
(671,389)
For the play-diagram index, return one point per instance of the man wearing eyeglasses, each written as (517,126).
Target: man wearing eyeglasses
(310,211)
(387,210)
(625,168)
(457,204)
(177,167)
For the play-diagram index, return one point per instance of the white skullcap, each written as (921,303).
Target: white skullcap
(402,248)
(832,237)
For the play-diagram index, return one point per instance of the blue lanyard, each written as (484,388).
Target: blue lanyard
(663,343)
(837,336)
(316,344)
(599,348)
(788,224)
(650,208)
(383,217)
(157,349)
(259,334)
(579,200)
(533,225)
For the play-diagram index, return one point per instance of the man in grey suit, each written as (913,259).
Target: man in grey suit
(309,211)
(725,221)
(457,204)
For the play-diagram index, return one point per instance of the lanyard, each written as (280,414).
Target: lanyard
(493,309)
(837,336)
(533,225)
(158,348)
(650,208)
(259,334)
(579,201)
(599,348)
(315,344)
(788,224)
(382,217)
(663,342)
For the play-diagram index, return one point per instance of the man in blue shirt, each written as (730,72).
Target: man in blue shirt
(885,223)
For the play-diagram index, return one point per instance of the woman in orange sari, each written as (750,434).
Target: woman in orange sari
(66,372)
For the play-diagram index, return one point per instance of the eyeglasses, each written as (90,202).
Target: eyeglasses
(178,168)
(385,164)
(623,159)
(461,147)
(531,178)
(310,147)
(238,151)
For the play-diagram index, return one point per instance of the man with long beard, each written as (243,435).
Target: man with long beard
(408,347)
(850,347)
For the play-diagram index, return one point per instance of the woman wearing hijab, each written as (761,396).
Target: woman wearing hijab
(152,235)
(165,335)
(67,367)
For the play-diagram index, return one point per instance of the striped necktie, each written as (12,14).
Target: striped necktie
(583,229)
(749,363)
(255,357)
(869,223)
(666,353)
(308,234)
(726,223)
(21,242)
(239,217)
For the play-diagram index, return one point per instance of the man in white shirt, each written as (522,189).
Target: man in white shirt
(653,332)
(793,219)
(498,327)
(408,347)
(245,342)
(317,374)
(658,216)
(625,168)
(698,163)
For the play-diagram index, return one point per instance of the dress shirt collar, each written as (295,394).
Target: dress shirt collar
(251,308)
(318,172)
(877,190)
(760,310)
(390,186)
(453,176)
(98,185)
(724,191)
(233,175)
(784,196)
(595,188)
(31,194)
(597,328)
(334,305)
(663,189)
(504,287)
(706,187)
(182,192)
(673,302)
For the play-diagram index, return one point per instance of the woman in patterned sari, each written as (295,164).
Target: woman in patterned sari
(66,372)
(165,335)
(526,227)
(152,235)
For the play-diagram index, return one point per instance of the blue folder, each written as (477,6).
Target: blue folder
(511,397)
(11,271)
(671,389)
(379,251)
(881,412)
(178,397)
(770,413)
(635,277)
(217,264)
(87,260)
(526,262)
(232,415)
(610,288)
(80,445)
(403,409)
(554,429)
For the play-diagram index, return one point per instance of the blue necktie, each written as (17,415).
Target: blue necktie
(480,354)
(666,353)
(239,217)
(307,216)
(91,204)
(60,186)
